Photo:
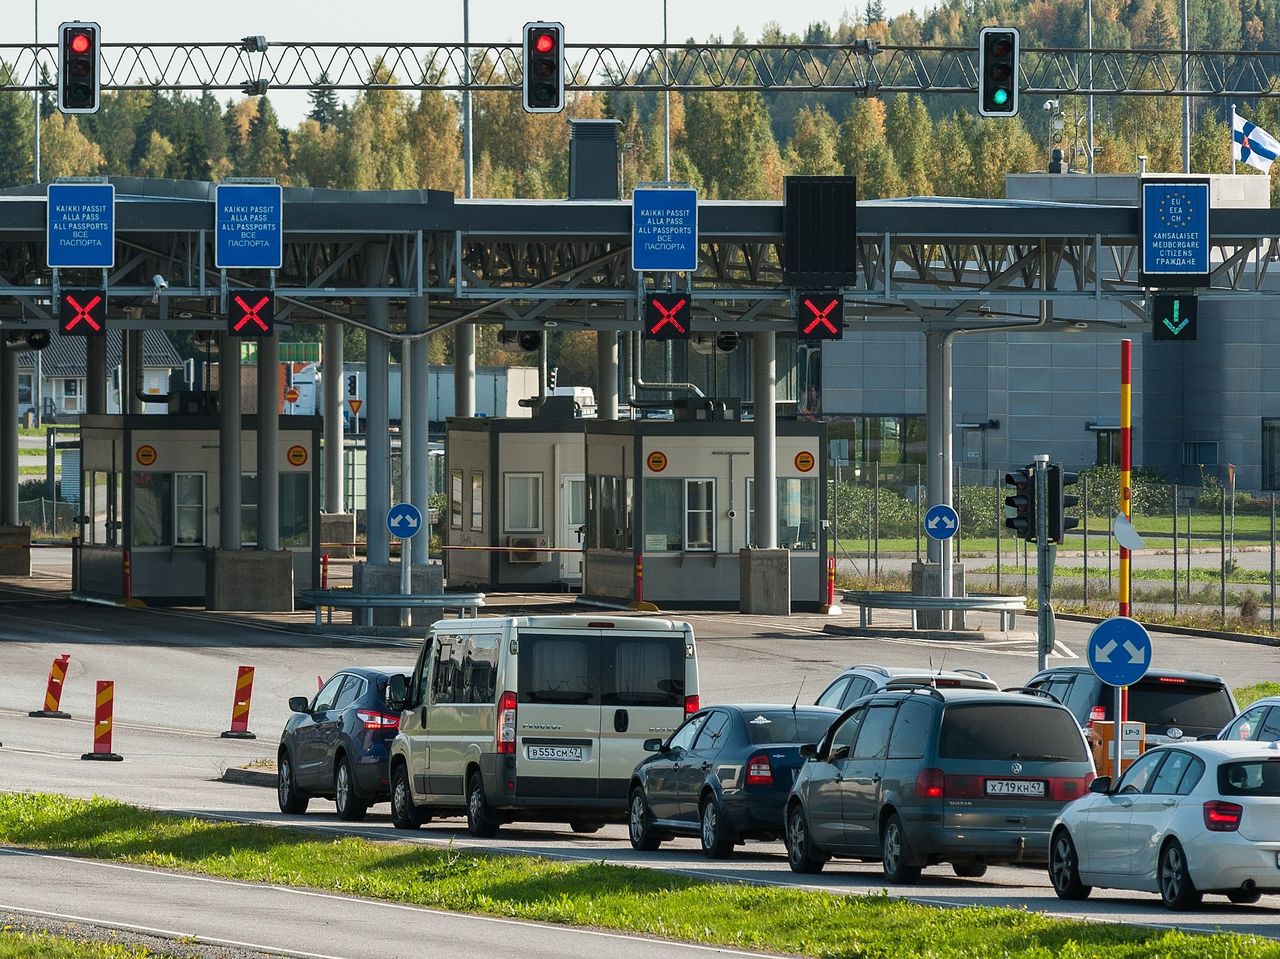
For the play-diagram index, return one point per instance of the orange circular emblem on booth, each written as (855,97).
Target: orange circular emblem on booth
(804,461)
(657,461)
(146,455)
(297,456)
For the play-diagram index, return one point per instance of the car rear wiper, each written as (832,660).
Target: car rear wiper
(1045,759)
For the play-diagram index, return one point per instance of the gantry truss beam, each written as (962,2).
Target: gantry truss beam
(862,68)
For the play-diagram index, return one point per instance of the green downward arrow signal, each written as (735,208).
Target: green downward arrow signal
(1174,326)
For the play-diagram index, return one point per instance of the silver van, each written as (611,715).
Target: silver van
(536,718)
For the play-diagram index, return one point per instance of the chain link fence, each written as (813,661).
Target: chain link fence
(48,518)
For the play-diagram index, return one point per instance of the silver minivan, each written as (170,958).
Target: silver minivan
(536,718)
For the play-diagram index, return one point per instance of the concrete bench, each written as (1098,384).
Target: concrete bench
(866,600)
(467,604)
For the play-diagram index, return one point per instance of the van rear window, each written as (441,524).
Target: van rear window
(1196,707)
(563,670)
(643,671)
(1010,731)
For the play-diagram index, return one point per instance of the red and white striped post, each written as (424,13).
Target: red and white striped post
(53,690)
(830,607)
(240,706)
(104,706)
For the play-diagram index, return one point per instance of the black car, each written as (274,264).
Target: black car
(338,744)
(723,776)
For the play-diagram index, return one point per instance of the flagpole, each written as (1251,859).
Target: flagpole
(1233,139)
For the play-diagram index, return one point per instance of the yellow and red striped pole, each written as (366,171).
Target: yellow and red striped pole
(53,690)
(1126,494)
(240,706)
(104,705)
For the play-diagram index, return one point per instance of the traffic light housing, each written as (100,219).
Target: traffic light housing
(820,315)
(666,316)
(1023,502)
(1060,501)
(998,49)
(1174,316)
(251,313)
(79,63)
(542,86)
(82,312)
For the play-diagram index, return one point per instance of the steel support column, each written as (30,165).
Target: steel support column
(95,365)
(606,375)
(764,365)
(8,436)
(333,431)
(937,388)
(419,438)
(268,443)
(229,459)
(464,370)
(131,376)
(378,445)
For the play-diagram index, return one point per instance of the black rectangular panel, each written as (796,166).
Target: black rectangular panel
(820,231)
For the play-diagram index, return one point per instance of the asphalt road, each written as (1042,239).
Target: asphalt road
(175,672)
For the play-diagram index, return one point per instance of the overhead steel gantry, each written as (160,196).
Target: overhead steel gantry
(523,264)
(864,67)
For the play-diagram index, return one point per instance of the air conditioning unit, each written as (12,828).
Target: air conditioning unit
(528,550)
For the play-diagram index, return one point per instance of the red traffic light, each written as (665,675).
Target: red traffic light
(80,43)
(666,316)
(82,312)
(251,313)
(544,43)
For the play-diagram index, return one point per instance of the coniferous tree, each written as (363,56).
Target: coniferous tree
(325,105)
(16,111)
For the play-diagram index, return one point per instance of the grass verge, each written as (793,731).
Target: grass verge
(22,945)
(590,894)
(1249,694)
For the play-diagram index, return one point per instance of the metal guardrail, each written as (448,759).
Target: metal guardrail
(867,600)
(467,604)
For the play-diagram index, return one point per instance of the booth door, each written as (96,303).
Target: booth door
(572,531)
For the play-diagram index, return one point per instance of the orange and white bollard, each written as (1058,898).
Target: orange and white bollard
(240,706)
(830,607)
(104,705)
(53,690)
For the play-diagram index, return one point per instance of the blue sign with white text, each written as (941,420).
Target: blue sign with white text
(1119,651)
(404,520)
(248,226)
(1175,232)
(81,225)
(664,230)
(941,522)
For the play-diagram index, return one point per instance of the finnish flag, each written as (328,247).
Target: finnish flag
(1252,145)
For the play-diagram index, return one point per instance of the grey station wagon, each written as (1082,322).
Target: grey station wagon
(915,777)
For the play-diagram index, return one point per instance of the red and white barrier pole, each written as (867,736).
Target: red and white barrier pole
(830,608)
(240,706)
(324,570)
(53,690)
(104,706)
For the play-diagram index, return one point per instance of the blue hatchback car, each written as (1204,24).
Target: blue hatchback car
(338,744)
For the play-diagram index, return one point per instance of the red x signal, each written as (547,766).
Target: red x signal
(666,317)
(818,322)
(252,313)
(80,312)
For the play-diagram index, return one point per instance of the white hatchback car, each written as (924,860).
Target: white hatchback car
(1184,820)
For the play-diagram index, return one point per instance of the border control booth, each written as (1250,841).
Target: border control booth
(672,538)
(151,500)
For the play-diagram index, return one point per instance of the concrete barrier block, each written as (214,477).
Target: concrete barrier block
(765,581)
(385,580)
(926,580)
(15,550)
(338,528)
(249,581)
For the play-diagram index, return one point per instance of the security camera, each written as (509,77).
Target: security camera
(1050,105)
(160,282)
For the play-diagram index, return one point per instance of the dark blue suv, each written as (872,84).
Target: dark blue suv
(338,744)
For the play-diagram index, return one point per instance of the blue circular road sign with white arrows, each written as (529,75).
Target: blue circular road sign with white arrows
(941,522)
(1119,651)
(404,520)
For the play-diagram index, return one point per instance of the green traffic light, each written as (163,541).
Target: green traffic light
(1000,97)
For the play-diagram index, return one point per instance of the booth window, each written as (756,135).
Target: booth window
(295,509)
(152,509)
(455,499)
(523,502)
(248,509)
(609,513)
(700,514)
(797,513)
(477,501)
(188,508)
(679,515)
(102,506)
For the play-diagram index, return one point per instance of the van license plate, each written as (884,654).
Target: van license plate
(1015,787)
(571,754)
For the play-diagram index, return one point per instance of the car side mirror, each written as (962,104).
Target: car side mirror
(809,750)
(397,691)
(1100,784)
(299,704)
(653,746)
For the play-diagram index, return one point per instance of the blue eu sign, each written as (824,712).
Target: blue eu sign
(1175,232)
(81,226)
(248,226)
(664,230)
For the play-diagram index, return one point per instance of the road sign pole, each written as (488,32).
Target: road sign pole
(1118,724)
(1043,612)
(406,546)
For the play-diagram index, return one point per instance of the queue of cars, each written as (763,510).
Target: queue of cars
(588,720)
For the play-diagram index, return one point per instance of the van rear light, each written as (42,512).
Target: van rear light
(600,624)
(507,723)
(1096,715)
(1171,679)
(376,720)
(944,683)
(962,787)
(930,783)
(1220,816)
(690,705)
(759,772)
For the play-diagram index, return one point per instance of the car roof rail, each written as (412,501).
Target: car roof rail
(873,667)
(970,672)
(1032,691)
(915,687)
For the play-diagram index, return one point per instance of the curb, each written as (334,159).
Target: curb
(249,777)
(833,631)
(1254,639)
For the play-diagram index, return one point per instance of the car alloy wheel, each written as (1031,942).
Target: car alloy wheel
(640,823)
(897,853)
(800,854)
(1176,888)
(714,843)
(480,822)
(289,797)
(404,814)
(350,806)
(1064,868)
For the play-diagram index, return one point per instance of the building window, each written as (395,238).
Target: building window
(477,501)
(188,509)
(699,514)
(248,509)
(1199,454)
(679,515)
(609,513)
(24,389)
(797,513)
(858,441)
(523,502)
(70,396)
(294,509)
(1108,442)
(1271,454)
(455,499)
(152,509)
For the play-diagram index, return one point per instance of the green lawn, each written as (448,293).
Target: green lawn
(1248,694)
(592,894)
(21,945)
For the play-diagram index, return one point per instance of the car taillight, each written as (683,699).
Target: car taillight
(1222,816)
(690,705)
(507,723)
(930,783)
(376,720)
(759,772)
(1067,788)
(1096,715)
(1171,679)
